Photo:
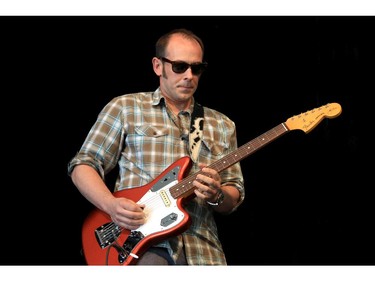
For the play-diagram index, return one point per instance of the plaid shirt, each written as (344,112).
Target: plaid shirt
(140,134)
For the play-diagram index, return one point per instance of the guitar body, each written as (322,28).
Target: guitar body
(105,243)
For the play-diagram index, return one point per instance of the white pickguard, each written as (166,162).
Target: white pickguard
(158,206)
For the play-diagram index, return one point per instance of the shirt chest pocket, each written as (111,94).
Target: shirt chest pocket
(151,131)
(151,145)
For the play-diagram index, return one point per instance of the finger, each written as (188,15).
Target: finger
(205,178)
(200,193)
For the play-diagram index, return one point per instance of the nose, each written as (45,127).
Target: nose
(189,73)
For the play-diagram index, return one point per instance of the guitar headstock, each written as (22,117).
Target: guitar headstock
(310,119)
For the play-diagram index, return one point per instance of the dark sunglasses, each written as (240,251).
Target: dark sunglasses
(181,66)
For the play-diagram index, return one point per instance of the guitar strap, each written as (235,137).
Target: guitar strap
(196,131)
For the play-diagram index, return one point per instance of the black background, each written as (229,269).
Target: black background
(309,197)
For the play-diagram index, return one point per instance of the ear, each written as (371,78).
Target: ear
(157,66)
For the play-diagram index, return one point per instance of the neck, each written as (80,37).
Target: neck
(176,107)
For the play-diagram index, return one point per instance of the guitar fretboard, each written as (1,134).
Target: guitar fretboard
(185,187)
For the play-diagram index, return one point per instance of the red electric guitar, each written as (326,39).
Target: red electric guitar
(105,243)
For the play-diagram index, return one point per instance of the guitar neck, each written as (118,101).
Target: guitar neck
(249,148)
(185,187)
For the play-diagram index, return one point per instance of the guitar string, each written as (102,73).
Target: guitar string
(151,203)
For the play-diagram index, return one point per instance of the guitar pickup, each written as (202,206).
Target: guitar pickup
(165,198)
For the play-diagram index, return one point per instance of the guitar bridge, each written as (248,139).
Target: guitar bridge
(107,234)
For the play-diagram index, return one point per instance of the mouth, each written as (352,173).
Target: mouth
(188,87)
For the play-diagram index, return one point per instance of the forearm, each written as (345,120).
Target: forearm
(91,186)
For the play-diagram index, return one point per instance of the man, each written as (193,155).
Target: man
(144,133)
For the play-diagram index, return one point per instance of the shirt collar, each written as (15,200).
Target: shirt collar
(158,97)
